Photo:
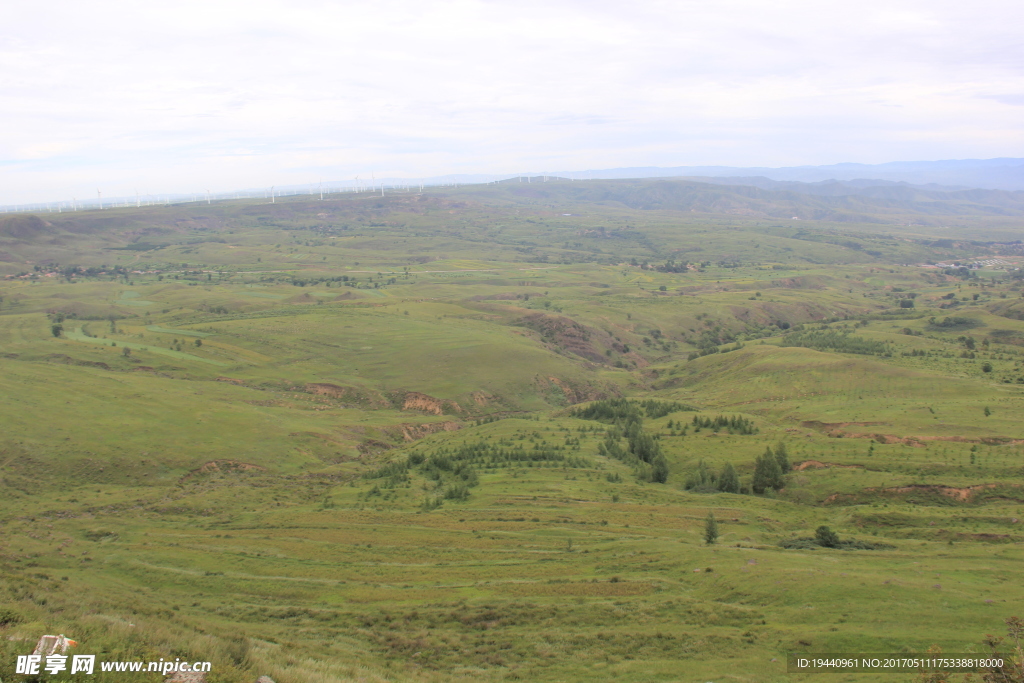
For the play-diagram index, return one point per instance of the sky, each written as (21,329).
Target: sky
(187,96)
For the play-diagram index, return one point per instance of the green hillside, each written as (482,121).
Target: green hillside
(475,434)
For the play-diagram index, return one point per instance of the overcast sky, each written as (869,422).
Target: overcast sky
(183,96)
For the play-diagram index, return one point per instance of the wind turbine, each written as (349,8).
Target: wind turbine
(137,203)
(207,196)
(321,189)
(272,201)
(100,195)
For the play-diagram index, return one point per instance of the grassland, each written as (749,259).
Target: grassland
(333,441)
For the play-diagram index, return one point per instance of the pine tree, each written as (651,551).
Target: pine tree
(728,480)
(702,480)
(783,458)
(710,529)
(766,473)
(659,470)
(643,446)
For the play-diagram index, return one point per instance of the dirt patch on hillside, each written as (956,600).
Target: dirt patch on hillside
(349,394)
(332,390)
(569,336)
(836,430)
(988,537)
(224,466)
(412,432)
(231,380)
(413,400)
(373,447)
(68,360)
(318,435)
(987,440)
(569,391)
(507,296)
(959,494)
(816,465)
(827,426)
(962,493)
(799,283)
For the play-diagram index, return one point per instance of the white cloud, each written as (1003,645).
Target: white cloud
(188,95)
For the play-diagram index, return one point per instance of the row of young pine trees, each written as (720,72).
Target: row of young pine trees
(770,469)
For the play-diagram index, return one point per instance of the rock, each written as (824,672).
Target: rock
(49,645)
(264,679)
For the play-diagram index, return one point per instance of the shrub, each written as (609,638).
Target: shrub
(710,529)
(826,538)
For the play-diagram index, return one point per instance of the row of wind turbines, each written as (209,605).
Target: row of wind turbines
(358,185)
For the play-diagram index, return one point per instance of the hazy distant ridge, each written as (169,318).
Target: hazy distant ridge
(990,174)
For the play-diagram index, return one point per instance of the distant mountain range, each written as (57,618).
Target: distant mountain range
(990,174)
(842,201)
(895,181)
(956,174)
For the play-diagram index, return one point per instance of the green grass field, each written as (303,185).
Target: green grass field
(340,440)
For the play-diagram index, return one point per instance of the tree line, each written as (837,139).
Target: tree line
(641,450)
(770,469)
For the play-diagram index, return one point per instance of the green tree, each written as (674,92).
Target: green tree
(659,470)
(767,474)
(826,538)
(199,342)
(782,457)
(642,444)
(126,352)
(57,330)
(1012,670)
(988,411)
(702,480)
(728,480)
(710,529)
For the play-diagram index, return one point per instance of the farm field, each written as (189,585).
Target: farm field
(475,434)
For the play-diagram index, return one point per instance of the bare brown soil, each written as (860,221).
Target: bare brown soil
(412,432)
(414,400)
(225,466)
(961,494)
(574,392)
(816,465)
(571,336)
(332,390)
(828,426)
